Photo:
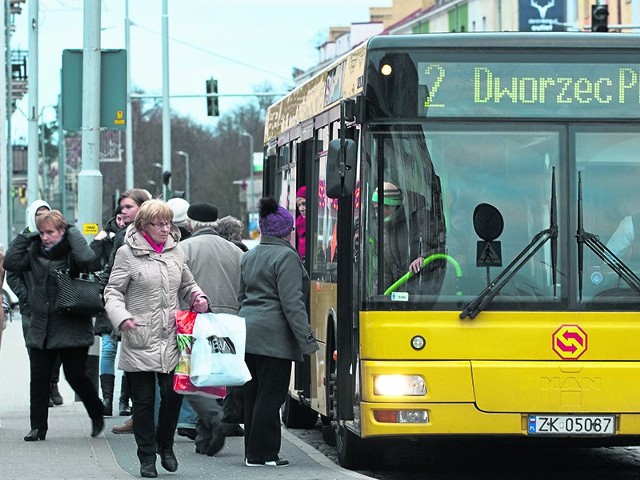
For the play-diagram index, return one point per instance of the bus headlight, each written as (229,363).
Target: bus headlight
(399,385)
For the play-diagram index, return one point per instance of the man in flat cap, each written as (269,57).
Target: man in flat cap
(215,264)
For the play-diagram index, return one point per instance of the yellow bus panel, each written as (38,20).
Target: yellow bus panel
(557,386)
(509,335)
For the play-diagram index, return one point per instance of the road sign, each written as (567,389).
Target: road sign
(90,229)
(113,89)
(489,254)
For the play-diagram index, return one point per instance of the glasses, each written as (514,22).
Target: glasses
(160,226)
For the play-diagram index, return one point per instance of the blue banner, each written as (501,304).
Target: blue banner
(542,16)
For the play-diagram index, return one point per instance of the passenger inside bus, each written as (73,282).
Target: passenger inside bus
(625,241)
(301,222)
(407,240)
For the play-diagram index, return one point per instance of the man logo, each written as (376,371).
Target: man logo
(221,344)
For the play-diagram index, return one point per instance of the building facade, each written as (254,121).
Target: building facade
(438,16)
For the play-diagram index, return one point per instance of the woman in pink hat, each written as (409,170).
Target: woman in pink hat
(301,222)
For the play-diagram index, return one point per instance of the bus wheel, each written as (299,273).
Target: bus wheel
(349,447)
(296,415)
(329,435)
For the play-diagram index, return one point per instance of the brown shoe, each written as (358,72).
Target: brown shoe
(126,427)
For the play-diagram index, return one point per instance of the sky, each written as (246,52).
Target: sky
(242,43)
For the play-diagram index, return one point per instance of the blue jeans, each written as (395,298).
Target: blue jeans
(188,416)
(108,355)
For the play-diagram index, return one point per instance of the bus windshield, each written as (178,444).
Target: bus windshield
(432,178)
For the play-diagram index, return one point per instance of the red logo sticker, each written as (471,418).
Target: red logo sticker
(569,342)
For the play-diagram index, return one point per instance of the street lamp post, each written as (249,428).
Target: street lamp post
(187,184)
(158,190)
(250,201)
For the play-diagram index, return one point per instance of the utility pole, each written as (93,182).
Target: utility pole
(166,107)
(90,178)
(129,126)
(32,117)
(6,187)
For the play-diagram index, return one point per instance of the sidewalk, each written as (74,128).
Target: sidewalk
(69,452)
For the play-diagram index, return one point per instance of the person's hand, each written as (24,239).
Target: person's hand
(128,324)
(201,304)
(101,235)
(416,265)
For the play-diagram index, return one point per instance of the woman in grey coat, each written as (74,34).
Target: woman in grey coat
(56,245)
(273,282)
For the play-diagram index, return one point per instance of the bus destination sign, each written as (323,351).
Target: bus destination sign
(529,90)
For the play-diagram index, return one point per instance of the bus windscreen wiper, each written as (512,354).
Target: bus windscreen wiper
(484,298)
(601,250)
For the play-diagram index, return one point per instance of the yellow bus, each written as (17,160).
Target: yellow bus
(471,204)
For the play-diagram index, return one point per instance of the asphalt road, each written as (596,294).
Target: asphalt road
(486,459)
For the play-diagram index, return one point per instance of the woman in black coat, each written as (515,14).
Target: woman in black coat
(56,245)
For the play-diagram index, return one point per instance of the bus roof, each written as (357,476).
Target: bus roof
(578,40)
(344,77)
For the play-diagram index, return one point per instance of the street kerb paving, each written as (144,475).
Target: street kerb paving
(69,452)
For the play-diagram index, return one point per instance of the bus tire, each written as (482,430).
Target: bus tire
(349,447)
(329,435)
(296,415)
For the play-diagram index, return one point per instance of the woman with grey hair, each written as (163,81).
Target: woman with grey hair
(230,228)
(149,274)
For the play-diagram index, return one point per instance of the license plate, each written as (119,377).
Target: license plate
(573,425)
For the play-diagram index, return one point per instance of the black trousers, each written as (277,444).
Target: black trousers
(263,396)
(148,435)
(26,321)
(74,362)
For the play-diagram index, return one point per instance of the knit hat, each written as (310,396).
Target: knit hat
(392,195)
(302,192)
(275,221)
(179,207)
(203,212)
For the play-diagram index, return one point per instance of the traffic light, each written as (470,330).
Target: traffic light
(212,101)
(599,18)
(166,177)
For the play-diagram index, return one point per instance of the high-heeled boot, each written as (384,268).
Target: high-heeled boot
(55,394)
(106,384)
(97,425)
(36,434)
(125,409)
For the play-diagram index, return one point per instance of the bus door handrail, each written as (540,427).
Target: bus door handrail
(436,256)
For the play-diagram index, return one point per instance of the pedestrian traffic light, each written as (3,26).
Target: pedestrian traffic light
(212,100)
(599,18)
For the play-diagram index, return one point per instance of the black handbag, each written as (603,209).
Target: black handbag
(81,295)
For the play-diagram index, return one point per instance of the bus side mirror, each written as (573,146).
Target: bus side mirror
(341,171)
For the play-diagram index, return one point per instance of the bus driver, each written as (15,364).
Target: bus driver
(409,238)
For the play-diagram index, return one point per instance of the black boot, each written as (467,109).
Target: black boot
(148,469)
(35,435)
(97,425)
(56,398)
(125,409)
(106,383)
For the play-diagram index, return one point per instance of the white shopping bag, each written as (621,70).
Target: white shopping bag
(217,354)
